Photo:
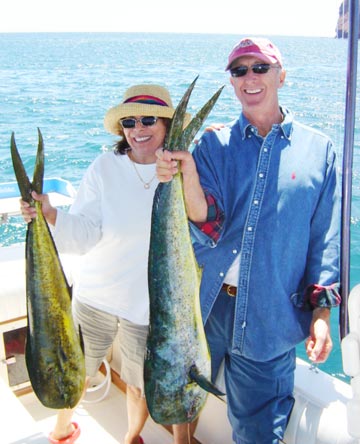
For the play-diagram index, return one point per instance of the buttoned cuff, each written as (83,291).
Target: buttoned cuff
(317,296)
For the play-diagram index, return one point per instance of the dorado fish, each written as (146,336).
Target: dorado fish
(177,369)
(54,355)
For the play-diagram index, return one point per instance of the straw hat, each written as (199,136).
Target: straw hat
(140,100)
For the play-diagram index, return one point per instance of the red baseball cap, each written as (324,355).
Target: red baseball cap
(257,47)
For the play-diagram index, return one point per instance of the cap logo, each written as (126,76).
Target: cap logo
(245,43)
(149,100)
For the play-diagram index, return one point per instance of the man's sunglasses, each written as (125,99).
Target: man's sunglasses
(257,68)
(130,122)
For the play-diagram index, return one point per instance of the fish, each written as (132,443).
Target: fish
(177,366)
(54,352)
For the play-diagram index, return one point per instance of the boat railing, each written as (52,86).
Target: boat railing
(350,347)
(61,193)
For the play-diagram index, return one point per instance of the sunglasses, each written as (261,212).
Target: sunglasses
(257,68)
(130,122)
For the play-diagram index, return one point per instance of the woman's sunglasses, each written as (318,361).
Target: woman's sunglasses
(257,68)
(130,122)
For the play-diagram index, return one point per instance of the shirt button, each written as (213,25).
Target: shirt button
(249,228)
(265,150)
(221,274)
(261,175)
(256,202)
(234,251)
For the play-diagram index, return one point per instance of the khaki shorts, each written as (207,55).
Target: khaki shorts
(99,330)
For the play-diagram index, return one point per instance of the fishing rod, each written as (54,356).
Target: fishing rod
(350,110)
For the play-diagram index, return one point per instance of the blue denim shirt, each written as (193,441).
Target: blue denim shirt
(280,197)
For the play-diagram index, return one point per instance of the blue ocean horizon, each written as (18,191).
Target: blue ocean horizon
(63,83)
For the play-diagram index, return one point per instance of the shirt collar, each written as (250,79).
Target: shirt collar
(285,125)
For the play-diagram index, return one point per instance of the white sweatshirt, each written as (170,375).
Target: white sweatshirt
(109,225)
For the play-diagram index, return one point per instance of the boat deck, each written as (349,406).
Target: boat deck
(323,410)
(105,422)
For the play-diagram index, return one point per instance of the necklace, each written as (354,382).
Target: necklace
(146,184)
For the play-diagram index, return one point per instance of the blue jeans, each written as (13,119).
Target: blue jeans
(259,394)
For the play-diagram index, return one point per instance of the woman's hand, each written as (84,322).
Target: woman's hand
(29,212)
(169,162)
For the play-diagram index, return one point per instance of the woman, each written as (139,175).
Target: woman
(108,225)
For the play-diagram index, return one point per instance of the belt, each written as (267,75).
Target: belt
(231,290)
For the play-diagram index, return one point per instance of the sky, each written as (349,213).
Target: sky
(264,17)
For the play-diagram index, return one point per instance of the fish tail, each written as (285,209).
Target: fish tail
(20,172)
(175,131)
(25,186)
(194,126)
(38,177)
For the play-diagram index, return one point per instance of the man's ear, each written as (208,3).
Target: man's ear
(282,78)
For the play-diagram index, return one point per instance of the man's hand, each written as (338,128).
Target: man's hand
(212,127)
(319,343)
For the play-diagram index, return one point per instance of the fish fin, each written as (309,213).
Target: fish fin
(62,359)
(199,270)
(29,354)
(204,383)
(81,339)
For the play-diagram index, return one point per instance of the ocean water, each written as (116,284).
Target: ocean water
(64,84)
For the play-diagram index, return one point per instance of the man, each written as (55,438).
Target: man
(262,197)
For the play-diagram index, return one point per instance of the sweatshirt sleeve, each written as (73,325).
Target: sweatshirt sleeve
(77,231)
